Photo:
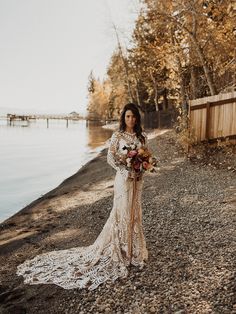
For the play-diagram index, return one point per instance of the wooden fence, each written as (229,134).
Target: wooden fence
(159,119)
(213,117)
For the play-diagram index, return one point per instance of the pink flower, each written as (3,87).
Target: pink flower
(132,153)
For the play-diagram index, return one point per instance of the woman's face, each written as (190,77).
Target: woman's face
(130,119)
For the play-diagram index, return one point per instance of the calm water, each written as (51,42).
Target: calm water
(35,159)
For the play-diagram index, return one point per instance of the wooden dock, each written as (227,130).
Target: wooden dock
(16,117)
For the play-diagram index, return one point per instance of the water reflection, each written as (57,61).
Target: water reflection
(97,135)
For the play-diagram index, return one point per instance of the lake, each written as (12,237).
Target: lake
(34,158)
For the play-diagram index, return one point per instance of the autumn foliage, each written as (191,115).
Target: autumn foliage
(180,50)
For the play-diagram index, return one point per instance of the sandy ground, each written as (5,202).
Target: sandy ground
(189,223)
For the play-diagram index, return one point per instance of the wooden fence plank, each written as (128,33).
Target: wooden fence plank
(207,134)
(213,117)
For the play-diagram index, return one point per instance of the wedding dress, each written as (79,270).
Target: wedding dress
(120,243)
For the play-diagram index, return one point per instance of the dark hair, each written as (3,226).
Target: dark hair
(137,127)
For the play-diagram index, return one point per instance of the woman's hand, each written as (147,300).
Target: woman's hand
(131,175)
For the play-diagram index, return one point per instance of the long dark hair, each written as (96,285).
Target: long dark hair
(137,127)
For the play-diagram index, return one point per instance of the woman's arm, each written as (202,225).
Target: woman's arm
(112,156)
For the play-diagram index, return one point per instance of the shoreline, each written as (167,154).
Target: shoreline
(90,156)
(63,187)
(66,183)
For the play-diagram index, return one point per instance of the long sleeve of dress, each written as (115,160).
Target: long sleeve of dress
(112,156)
(146,140)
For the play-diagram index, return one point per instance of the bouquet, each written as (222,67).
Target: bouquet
(138,159)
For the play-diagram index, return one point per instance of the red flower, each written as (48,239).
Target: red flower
(146,165)
(137,165)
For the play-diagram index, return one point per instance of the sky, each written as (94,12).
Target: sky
(49,47)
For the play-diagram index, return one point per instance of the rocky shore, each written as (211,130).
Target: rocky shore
(189,222)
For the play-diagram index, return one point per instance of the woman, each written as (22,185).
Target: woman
(121,242)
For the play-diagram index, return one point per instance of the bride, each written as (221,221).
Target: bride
(121,242)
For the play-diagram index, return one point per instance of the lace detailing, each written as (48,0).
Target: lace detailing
(112,155)
(132,137)
(108,257)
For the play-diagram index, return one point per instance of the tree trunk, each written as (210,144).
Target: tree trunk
(137,91)
(193,83)
(181,77)
(165,99)
(125,66)
(155,90)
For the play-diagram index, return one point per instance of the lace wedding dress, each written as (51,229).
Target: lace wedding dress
(120,243)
